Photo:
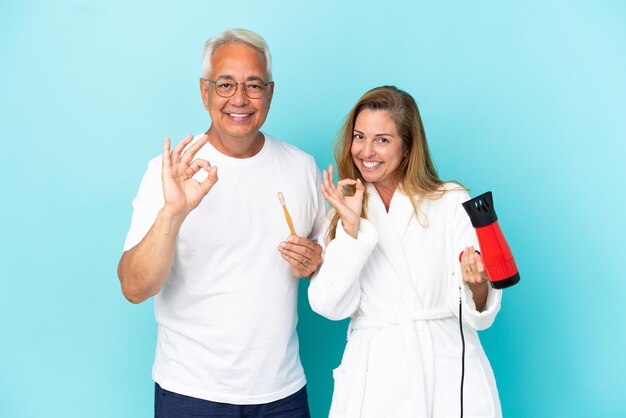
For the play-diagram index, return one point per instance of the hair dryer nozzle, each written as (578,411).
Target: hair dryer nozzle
(480,210)
(495,251)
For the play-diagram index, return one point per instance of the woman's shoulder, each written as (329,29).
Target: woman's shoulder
(450,190)
(452,193)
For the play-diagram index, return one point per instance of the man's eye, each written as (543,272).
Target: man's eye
(254,86)
(225,85)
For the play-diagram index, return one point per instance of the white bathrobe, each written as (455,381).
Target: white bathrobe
(400,281)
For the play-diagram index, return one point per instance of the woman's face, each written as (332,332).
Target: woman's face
(377,148)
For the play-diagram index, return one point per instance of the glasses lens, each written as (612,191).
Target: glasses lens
(254,89)
(225,87)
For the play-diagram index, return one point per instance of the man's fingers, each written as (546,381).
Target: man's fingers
(190,152)
(196,165)
(210,179)
(300,256)
(297,269)
(166,160)
(303,242)
(301,249)
(294,263)
(300,268)
(180,147)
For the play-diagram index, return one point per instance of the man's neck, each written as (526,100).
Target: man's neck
(236,147)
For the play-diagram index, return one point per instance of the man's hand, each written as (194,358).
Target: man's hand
(302,254)
(182,193)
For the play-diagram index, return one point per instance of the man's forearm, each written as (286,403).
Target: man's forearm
(144,268)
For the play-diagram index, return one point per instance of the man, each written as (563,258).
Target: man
(214,252)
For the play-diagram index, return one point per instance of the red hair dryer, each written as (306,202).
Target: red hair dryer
(495,252)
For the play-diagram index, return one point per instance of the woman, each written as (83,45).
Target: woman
(392,264)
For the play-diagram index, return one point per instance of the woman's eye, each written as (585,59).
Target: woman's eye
(358,137)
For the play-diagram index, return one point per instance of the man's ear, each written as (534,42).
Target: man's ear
(270,94)
(204,92)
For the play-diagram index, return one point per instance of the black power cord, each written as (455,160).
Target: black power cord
(463,348)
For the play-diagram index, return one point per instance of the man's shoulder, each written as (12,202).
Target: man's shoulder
(291,151)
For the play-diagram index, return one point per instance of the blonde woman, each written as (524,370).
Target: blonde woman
(392,265)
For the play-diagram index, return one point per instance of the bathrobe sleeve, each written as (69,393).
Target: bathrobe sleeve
(335,290)
(463,235)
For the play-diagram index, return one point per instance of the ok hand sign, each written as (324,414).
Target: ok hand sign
(181,191)
(348,207)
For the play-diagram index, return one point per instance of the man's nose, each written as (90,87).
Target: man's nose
(239,98)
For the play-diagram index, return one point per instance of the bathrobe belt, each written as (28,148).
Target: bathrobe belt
(378,322)
(422,391)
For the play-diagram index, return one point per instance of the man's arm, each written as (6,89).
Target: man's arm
(143,269)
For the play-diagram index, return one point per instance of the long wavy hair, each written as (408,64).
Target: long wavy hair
(416,175)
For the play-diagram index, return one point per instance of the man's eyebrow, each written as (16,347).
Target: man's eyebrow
(230,77)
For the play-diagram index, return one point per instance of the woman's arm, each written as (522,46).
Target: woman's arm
(335,290)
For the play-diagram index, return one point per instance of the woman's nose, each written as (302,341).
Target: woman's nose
(368,149)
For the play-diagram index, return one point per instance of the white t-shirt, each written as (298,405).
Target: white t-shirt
(227,313)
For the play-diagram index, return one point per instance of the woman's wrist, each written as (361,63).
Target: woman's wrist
(351,227)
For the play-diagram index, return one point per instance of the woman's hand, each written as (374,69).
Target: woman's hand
(183,193)
(472,267)
(475,275)
(348,207)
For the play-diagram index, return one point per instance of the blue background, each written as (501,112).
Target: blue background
(525,98)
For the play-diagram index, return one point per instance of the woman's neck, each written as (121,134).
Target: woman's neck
(386,191)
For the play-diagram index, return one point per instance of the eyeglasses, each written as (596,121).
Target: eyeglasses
(225,87)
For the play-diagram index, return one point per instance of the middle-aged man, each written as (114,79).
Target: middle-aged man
(215,253)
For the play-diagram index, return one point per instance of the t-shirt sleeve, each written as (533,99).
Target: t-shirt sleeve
(322,209)
(146,205)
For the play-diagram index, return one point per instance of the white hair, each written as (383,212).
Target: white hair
(236,36)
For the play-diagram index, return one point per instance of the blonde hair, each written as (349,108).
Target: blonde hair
(416,175)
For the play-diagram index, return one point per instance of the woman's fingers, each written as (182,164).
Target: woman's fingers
(472,267)
(360,189)
(343,183)
(327,182)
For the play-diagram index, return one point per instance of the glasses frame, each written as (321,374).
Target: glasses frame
(243,83)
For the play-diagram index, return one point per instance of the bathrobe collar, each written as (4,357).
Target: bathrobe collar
(393,228)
